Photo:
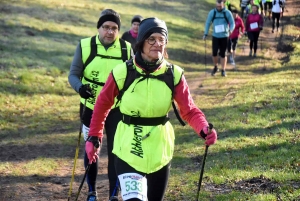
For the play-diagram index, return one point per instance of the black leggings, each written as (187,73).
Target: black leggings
(156,181)
(111,123)
(242,11)
(253,37)
(232,44)
(266,5)
(277,17)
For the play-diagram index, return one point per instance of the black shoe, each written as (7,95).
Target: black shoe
(113,198)
(213,72)
(223,73)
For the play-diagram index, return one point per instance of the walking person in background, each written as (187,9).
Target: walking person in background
(254,24)
(243,5)
(268,4)
(249,7)
(223,24)
(277,9)
(238,32)
(131,35)
(144,140)
(94,59)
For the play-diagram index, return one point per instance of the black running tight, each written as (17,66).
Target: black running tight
(277,17)
(253,37)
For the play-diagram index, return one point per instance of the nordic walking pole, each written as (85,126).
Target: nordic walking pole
(205,55)
(76,152)
(210,127)
(96,145)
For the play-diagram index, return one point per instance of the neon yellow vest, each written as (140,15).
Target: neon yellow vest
(256,2)
(99,68)
(147,98)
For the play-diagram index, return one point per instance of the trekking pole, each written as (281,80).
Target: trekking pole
(210,127)
(76,152)
(205,56)
(96,145)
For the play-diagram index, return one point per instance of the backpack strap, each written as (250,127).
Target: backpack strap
(214,16)
(169,80)
(130,77)
(123,50)
(224,13)
(93,52)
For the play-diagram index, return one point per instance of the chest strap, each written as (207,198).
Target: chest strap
(153,121)
(94,82)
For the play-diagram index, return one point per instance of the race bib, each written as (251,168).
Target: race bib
(219,28)
(85,131)
(133,185)
(254,25)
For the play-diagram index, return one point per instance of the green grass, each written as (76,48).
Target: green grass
(255,110)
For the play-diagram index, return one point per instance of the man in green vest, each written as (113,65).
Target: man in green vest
(94,59)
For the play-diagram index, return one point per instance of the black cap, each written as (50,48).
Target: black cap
(137,18)
(109,15)
(152,25)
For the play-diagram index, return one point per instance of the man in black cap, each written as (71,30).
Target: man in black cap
(131,35)
(94,59)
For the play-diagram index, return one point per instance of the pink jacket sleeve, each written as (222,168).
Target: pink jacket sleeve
(242,25)
(104,102)
(187,108)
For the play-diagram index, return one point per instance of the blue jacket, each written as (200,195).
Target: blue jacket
(219,20)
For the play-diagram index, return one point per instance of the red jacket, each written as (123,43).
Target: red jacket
(254,18)
(239,26)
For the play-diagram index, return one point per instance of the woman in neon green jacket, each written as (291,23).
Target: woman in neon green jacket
(144,139)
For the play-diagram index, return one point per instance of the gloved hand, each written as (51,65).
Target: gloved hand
(204,37)
(85,91)
(210,138)
(92,149)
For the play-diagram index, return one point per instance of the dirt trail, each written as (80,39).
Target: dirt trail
(37,188)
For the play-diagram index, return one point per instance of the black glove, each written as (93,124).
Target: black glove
(85,91)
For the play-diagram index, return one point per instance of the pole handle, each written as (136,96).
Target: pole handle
(210,127)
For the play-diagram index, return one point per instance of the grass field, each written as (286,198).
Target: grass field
(255,110)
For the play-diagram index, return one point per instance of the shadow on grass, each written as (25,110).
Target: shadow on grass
(40,12)
(15,87)
(28,54)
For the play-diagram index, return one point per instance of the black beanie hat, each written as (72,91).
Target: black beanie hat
(152,25)
(137,18)
(109,15)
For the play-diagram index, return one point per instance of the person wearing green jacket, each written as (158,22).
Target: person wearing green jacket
(145,139)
